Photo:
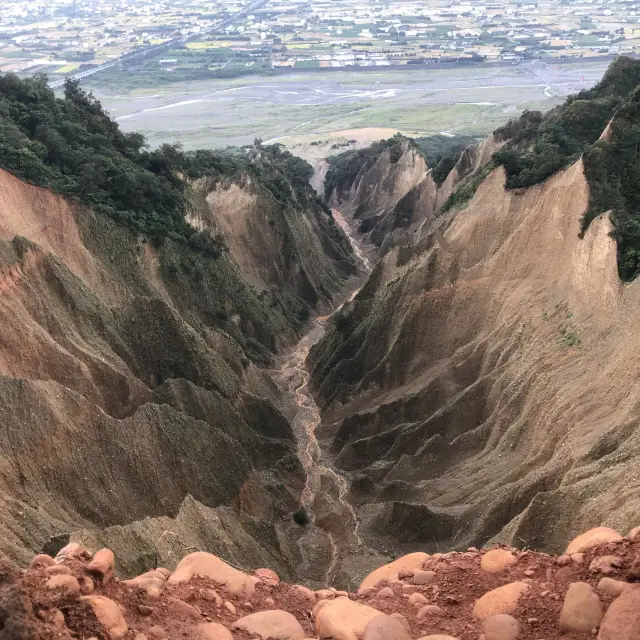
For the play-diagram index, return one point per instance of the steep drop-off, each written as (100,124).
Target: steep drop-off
(389,191)
(129,397)
(300,251)
(481,385)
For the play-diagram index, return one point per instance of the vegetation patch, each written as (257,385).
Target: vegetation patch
(442,152)
(539,145)
(301,516)
(612,168)
(461,196)
(71,146)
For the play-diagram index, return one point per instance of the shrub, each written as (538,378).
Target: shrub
(301,516)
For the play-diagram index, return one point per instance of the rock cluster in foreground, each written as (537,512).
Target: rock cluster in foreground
(593,590)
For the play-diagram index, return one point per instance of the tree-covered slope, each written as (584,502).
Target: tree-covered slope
(71,146)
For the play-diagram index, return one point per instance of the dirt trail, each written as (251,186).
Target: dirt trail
(293,377)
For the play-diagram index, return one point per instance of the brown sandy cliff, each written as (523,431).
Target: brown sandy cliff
(126,381)
(481,386)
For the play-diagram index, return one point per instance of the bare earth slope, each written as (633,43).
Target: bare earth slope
(395,196)
(126,382)
(275,247)
(482,383)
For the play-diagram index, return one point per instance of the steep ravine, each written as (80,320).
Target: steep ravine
(332,518)
(135,400)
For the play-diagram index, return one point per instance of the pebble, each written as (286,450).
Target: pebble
(182,608)
(230,607)
(423,577)
(429,610)
(213,596)
(417,599)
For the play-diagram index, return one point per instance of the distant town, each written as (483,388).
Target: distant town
(183,38)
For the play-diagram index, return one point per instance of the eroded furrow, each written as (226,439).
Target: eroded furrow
(321,477)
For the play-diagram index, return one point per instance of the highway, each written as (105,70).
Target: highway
(165,45)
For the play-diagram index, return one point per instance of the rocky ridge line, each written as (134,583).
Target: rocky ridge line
(491,594)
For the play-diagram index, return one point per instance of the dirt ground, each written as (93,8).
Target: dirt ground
(30,607)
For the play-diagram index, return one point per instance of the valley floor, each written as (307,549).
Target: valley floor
(216,113)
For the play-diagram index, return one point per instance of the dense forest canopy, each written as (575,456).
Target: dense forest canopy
(71,146)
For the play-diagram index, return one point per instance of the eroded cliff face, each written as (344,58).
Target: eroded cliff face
(128,392)
(481,384)
(276,247)
(394,197)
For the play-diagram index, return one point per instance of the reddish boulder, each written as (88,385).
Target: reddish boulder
(390,571)
(501,600)
(423,577)
(385,628)
(497,560)
(102,566)
(267,576)
(109,616)
(65,583)
(207,565)
(611,587)
(592,538)
(344,619)
(501,627)
(622,619)
(40,561)
(271,625)
(582,609)
(605,564)
(211,631)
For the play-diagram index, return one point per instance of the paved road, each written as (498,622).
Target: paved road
(160,47)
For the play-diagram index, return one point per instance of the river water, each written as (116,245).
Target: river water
(293,377)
